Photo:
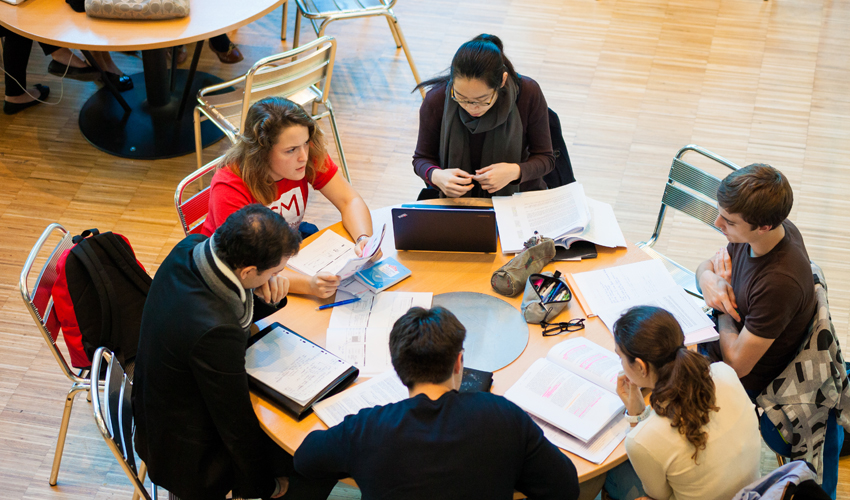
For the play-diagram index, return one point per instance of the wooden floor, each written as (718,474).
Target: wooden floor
(632,81)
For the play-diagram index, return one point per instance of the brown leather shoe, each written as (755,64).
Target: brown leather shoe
(232,55)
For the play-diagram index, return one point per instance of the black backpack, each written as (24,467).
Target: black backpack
(101,293)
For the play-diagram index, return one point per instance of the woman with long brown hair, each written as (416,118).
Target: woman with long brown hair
(699,437)
(279,155)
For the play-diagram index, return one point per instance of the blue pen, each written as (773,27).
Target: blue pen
(340,303)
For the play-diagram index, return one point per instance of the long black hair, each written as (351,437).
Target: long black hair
(482,58)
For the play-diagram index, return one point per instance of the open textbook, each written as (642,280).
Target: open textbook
(360,332)
(334,254)
(597,449)
(610,291)
(573,388)
(564,214)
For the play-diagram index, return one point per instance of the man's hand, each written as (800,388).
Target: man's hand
(722,263)
(323,285)
(282,486)
(718,294)
(453,182)
(274,290)
(630,393)
(497,176)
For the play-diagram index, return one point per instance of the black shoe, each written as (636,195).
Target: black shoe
(87,74)
(121,82)
(10,108)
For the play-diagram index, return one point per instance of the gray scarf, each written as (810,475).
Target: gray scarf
(223,282)
(502,127)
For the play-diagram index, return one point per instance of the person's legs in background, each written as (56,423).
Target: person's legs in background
(66,63)
(16,53)
(623,483)
(227,51)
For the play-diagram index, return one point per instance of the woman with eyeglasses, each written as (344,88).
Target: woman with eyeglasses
(483,129)
(279,155)
(699,436)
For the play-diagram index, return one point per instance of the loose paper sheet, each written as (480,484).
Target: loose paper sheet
(597,449)
(378,391)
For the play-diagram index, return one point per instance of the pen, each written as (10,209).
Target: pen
(340,303)
(553,292)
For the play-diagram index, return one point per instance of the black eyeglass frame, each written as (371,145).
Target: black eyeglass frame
(553,329)
(472,103)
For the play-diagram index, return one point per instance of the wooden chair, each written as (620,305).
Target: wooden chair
(193,212)
(694,192)
(113,414)
(305,80)
(39,303)
(321,13)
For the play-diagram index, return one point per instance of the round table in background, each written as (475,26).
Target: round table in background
(151,126)
(443,272)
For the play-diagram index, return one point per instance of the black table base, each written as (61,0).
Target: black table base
(147,132)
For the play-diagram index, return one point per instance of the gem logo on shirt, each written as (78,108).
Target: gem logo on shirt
(291,206)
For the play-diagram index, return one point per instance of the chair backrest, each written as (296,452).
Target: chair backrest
(341,9)
(113,414)
(38,300)
(691,190)
(193,212)
(285,75)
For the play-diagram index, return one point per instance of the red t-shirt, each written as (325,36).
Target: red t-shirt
(228,193)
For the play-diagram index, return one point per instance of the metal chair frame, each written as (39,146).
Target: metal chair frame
(693,192)
(193,212)
(283,75)
(115,419)
(39,303)
(320,20)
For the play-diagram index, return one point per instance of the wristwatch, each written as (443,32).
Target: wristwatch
(639,418)
(360,238)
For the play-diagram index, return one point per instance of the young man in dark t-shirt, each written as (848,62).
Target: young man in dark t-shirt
(439,443)
(762,281)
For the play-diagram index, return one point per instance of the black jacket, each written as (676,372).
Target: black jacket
(195,427)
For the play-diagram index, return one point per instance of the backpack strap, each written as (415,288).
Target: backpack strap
(85,234)
(103,286)
(116,248)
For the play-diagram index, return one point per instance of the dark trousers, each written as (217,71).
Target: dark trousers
(16,56)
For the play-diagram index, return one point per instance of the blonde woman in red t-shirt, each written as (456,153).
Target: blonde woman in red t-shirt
(280,152)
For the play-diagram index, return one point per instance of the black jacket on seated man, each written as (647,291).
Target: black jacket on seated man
(195,427)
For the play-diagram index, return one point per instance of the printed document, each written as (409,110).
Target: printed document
(377,391)
(360,332)
(334,254)
(294,367)
(597,449)
(572,388)
(609,292)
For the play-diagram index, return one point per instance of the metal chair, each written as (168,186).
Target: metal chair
(693,192)
(39,303)
(193,212)
(321,13)
(283,75)
(113,414)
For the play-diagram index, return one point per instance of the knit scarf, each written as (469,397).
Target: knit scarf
(502,127)
(223,282)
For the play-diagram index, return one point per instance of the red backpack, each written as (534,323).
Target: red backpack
(99,296)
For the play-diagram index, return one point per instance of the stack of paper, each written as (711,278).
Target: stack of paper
(564,214)
(331,253)
(377,391)
(609,292)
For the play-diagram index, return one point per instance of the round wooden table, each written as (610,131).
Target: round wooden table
(439,272)
(147,122)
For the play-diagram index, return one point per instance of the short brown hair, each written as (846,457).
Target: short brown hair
(249,158)
(424,344)
(759,193)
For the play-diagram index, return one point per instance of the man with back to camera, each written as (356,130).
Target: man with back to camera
(195,426)
(439,443)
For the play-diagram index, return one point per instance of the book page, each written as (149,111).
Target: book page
(588,360)
(378,391)
(294,367)
(609,292)
(552,213)
(346,268)
(564,399)
(597,449)
(327,250)
(602,228)
(368,349)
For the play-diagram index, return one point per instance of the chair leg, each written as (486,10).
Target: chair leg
(391,17)
(199,146)
(392,30)
(63,432)
(780,460)
(143,471)
(338,142)
(283,21)
(297,35)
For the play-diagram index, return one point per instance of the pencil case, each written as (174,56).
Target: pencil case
(510,278)
(546,295)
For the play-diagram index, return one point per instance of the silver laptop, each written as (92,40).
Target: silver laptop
(445,228)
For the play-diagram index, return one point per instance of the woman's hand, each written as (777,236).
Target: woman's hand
(497,176)
(358,249)
(630,393)
(454,182)
(274,290)
(323,285)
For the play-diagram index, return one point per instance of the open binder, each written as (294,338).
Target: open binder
(292,371)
